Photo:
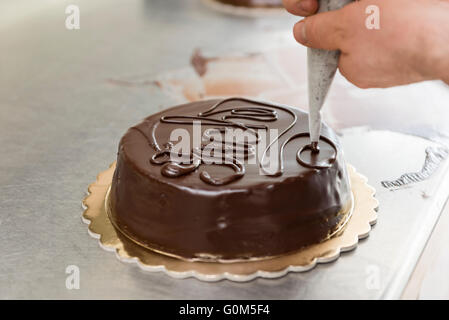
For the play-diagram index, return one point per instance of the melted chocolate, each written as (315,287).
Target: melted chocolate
(210,213)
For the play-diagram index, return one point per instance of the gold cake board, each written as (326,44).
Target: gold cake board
(363,217)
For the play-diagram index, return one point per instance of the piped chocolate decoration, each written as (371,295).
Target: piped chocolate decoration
(264,112)
(174,170)
(238,167)
(315,151)
(314,147)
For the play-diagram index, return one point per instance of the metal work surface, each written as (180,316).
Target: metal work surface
(61,120)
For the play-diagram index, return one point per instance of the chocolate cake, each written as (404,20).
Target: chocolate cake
(286,198)
(253,3)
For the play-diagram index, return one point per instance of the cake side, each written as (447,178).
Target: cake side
(255,216)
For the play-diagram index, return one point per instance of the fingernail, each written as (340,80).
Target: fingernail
(300,32)
(306,6)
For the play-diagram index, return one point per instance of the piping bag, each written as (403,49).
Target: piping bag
(321,65)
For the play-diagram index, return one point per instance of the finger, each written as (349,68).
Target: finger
(322,31)
(301,8)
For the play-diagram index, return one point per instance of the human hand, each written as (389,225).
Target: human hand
(301,8)
(411,44)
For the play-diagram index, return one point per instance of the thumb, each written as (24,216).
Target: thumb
(322,31)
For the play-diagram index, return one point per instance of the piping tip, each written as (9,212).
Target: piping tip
(314,147)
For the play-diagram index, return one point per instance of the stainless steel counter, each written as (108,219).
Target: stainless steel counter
(60,122)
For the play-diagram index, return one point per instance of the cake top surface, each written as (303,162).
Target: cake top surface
(228,144)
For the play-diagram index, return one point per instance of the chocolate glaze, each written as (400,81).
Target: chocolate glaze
(253,3)
(208,213)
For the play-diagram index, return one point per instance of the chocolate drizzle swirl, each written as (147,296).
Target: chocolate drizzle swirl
(262,112)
